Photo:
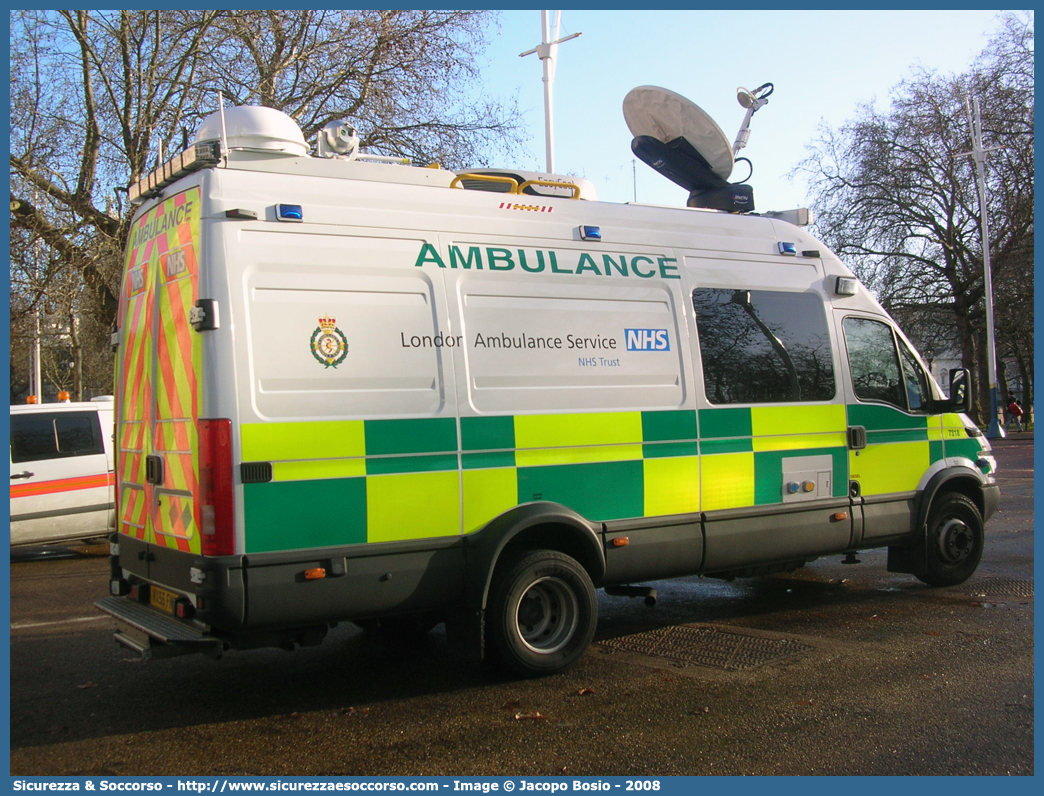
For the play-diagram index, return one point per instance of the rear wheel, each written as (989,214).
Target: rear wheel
(955,540)
(542,613)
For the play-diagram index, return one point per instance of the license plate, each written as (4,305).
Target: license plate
(162,599)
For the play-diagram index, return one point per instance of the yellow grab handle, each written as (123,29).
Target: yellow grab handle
(552,184)
(485,178)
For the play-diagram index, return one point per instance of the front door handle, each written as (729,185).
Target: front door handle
(856,437)
(23,474)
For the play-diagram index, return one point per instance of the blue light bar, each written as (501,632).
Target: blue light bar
(590,233)
(289,213)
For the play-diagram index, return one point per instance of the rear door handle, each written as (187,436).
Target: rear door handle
(23,474)
(154,470)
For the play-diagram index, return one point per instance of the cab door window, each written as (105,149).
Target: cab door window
(883,369)
(917,393)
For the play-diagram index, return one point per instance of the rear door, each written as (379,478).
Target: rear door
(60,479)
(158,390)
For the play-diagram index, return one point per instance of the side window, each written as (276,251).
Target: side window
(760,346)
(917,393)
(874,361)
(78,434)
(32,438)
(51,436)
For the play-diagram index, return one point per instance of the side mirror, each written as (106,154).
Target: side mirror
(960,391)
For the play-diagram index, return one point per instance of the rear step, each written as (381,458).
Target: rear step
(153,635)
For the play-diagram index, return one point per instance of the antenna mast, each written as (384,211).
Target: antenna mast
(547,50)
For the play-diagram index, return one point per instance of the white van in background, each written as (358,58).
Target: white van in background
(61,471)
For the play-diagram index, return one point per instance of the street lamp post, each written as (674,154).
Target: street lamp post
(978,153)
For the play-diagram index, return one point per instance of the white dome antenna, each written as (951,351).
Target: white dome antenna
(253,128)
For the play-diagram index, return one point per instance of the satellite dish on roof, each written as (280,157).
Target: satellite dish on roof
(682,142)
(654,112)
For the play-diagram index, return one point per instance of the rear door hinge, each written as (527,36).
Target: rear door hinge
(204,315)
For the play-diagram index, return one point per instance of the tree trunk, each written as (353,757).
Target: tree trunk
(74,337)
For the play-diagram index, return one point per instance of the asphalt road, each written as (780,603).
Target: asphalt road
(834,669)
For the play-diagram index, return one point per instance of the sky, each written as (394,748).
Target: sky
(823,64)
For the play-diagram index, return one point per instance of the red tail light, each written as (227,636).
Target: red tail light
(215,487)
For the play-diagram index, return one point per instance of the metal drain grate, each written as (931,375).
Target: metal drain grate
(998,587)
(709,646)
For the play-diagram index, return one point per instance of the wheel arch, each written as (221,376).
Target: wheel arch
(962,480)
(531,526)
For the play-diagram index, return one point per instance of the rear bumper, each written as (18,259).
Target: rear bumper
(152,635)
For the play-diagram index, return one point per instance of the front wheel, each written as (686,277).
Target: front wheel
(542,613)
(955,540)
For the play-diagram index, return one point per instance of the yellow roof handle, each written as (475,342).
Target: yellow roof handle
(552,184)
(486,178)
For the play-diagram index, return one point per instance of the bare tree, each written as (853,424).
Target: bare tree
(402,77)
(92,92)
(96,96)
(895,195)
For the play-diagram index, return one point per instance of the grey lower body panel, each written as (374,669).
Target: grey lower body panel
(666,547)
(887,518)
(729,540)
(355,586)
(740,538)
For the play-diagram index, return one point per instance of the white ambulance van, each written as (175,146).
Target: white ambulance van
(62,471)
(350,390)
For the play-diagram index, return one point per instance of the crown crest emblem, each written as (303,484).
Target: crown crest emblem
(329,345)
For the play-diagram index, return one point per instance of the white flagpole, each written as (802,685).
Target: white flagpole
(547,50)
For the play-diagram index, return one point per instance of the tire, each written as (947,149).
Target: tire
(542,613)
(955,537)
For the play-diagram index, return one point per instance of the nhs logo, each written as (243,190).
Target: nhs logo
(647,340)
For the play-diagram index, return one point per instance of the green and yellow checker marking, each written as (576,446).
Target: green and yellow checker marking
(955,440)
(351,482)
(899,448)
(743,451)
